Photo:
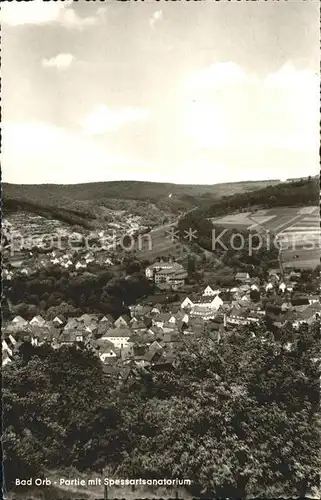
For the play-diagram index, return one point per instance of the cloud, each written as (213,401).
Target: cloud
(40,12)
(156,17)
(103,119)
(225,107)
(37,152)
(216,76)
(60,61)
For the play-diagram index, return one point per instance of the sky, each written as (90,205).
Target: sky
(185,92)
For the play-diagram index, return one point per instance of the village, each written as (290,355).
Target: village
(147,338)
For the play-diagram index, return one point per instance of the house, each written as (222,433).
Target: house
(242,277)
(91,327)
(70,337)
(209,291)
(156,310)
(80,265)
(58,321)
(314,299)
(241,317)
(255,287)
(6,358)
(71,324)
(269,287)
(138,326)
(167,362)
(161,319)
(38,321)
(155,330)
(106,351)
(172,273)
(308,315)
(118,336)
(209,302)
(88,318)
(201,312)
(122,321)
(107,319)
(46,336)
(187,303)
(155,346)
(19,321)
(274,273)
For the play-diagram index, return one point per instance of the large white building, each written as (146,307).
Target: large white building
(167,272)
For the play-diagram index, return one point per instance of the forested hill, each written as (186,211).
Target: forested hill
(291,194)
(80,203)
(286,194)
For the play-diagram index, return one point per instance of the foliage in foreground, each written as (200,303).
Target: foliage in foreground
(239,417)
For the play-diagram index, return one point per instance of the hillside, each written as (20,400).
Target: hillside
(297,193)
(83,204)
(288,209)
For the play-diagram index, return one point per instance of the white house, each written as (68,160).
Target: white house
(37,321)
(268,287)
(314,299)
(254,287)
(121,321)
(107,355)
(57,321)
(186,303)
(118,336)
(79,265)
(104,320)
(282,287)
(206,314)
(18,320)
(209,291)
(210,302)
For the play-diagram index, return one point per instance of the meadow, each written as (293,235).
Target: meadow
(298,230)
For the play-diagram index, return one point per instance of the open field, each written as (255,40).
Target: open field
(160,243)
(298,231)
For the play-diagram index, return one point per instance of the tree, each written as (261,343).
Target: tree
(57,411)
(191,266)
(238,418)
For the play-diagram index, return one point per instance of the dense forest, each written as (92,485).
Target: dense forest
(289,194)
(239,416)
(54,290)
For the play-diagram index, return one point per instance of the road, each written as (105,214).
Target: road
(161,241)
(166,227)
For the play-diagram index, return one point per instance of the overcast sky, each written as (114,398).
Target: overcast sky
(187,92)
